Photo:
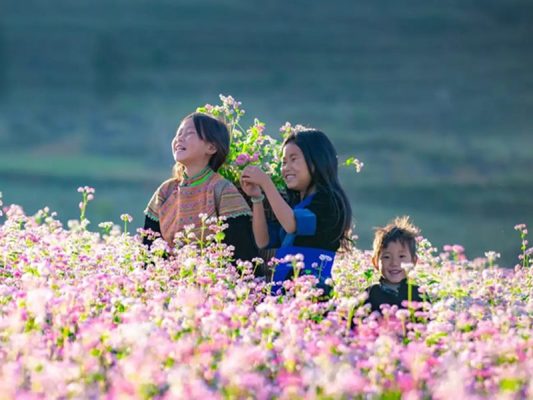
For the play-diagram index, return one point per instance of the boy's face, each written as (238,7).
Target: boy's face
(391,259)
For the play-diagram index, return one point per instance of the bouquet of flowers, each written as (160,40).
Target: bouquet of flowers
(253,145)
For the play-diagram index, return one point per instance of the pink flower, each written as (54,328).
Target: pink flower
(458,248)
(405,382)
(242,159)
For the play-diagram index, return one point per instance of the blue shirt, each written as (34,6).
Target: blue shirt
(316,238)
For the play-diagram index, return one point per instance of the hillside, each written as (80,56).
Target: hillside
(434,97)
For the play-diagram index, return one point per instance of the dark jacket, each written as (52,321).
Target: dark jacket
(378,294)
(238,234)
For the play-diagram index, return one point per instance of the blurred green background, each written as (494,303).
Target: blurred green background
(435,97)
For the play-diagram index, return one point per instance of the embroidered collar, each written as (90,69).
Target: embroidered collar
(393,288)
(197,179)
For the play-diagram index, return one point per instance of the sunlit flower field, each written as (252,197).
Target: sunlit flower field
(89,312)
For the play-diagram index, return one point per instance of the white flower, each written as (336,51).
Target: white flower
(203,217)
(126,218)
(492,256)
(324,257)
(407,267)
(36,300)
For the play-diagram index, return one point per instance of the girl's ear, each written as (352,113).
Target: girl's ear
(375,262)
(415,260)
(211,148)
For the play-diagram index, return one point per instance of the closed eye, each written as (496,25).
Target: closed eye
(183,134)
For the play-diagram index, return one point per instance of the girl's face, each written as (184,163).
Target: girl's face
(188,148)
(294,168)
(391,259)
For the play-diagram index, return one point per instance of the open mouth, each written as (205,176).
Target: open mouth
(395,272)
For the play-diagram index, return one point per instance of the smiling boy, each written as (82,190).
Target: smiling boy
(394,249)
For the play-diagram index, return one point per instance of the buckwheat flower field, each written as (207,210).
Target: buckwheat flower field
(95,314)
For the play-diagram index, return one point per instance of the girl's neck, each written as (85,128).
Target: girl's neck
(305,193)
(192,170)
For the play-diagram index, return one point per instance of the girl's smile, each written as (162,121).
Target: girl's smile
(294,169)
(187,145)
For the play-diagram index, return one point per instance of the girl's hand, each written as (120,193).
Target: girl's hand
(251,189)
(254,175)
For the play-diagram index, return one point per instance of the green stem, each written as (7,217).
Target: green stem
(523,247)
(351,313)
(320,270)
(410,299)
(296,270)
(83,206)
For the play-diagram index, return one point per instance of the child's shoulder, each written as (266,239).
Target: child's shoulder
(230,201)
(168,186)
(373,288)
(170,182)
(323,203)
(221,184)
(324,197)
(375,296)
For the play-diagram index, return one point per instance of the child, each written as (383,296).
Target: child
(317,219)
(200,147)
(394,245)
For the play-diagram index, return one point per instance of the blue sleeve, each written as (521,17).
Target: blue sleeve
(305,221)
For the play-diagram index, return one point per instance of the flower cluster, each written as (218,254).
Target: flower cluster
(253,145)
(99,315)
(526,255)
(87,195)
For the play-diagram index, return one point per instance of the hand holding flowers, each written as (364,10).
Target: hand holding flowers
(250,189)
(253,146)
(253,175)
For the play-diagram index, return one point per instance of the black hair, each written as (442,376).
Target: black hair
(399,230)
(213,131)
(321,159)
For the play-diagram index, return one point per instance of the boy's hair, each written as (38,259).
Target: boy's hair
(213,131)
(400,230)
(321,159)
